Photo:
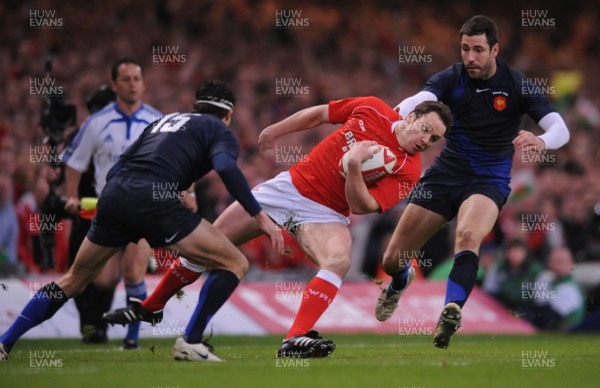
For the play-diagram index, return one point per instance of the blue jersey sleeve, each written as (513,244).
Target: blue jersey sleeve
(224,141)
(534,100)
(226,166)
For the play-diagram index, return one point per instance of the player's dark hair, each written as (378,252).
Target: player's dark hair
(114,70)
(214,98)
(478,25)
(438,107)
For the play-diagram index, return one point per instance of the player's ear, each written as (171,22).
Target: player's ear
(113,85)
(495,50)
(228,116)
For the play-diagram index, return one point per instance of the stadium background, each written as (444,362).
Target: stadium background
(335,49)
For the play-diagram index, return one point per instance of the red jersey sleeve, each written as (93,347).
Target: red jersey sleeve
(341,110)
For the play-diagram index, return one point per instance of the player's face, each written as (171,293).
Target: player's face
(129,85)
(479,59)
(419,134)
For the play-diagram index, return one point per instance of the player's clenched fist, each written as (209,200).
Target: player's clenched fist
(526,139)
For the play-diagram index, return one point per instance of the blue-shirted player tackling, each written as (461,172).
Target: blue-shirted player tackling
(141,199)
(470,179)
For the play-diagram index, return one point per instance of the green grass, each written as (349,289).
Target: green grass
(359,361)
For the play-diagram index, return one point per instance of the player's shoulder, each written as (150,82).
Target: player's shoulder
(446,80)
(510,72)
(371,101)
(371,104)
(207,123)
(199,118)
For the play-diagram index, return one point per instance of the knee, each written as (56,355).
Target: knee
(239,266)
(338,265)
(466,239)
(243,267)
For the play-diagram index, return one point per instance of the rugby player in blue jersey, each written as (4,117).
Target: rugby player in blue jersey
(470,179)
(141,199)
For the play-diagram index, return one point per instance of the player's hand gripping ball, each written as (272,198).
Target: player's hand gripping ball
(380,164)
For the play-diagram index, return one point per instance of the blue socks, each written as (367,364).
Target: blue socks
(219,285)
(42,306)
(135,291)
(399,280)
(462,277)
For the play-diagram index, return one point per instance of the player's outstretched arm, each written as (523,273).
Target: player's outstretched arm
(409,104)
(360,201)
(299,121)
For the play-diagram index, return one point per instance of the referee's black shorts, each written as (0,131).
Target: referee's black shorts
(139,206)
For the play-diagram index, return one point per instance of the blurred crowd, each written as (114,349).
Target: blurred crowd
(333,50)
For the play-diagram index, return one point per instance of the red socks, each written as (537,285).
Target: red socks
(317,297)
(178,276)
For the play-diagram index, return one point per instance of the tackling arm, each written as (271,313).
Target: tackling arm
(299,121)
(226,166)
(409,104)
(555,134)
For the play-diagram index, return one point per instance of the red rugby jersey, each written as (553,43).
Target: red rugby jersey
(364,118)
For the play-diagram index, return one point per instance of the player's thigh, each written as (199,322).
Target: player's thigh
(476,218)
(135,261)
(237,225)
(110,275)
(327,244)
(88,264)
(207,246)
(415,227)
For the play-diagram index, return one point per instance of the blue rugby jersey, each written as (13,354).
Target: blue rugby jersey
(487,117)
(183,147)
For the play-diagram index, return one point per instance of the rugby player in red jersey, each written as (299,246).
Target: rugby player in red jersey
(312,200)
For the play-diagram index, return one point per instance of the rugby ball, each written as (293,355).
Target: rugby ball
(381,163)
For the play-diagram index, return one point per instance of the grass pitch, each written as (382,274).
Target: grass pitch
(539,361)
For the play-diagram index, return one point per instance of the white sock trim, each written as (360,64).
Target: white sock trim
(330,277)
(191,266)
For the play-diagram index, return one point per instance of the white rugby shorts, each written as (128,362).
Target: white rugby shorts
(280,199)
